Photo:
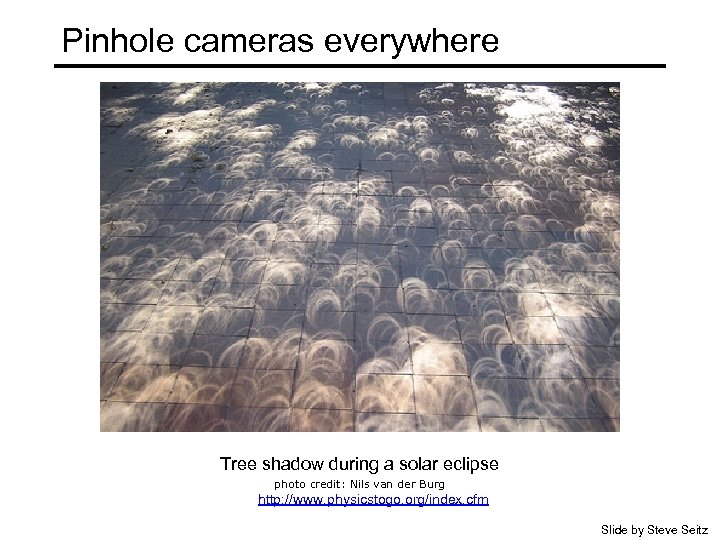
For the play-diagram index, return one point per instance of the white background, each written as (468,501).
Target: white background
(62,477)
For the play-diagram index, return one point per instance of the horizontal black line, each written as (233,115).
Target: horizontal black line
(361,66)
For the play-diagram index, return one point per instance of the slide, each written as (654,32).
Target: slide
(360,270)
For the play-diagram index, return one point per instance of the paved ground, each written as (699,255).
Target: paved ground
(359,257)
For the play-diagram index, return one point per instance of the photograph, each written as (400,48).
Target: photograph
(360,256)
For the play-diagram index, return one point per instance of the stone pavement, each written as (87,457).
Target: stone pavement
(369,256)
